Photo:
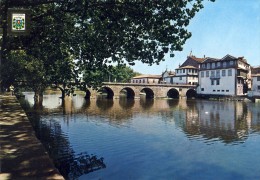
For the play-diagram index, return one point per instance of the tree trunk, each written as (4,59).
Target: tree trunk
(38,98)
(63,90)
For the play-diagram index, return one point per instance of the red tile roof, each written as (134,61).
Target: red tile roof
(197,59)
(147,76)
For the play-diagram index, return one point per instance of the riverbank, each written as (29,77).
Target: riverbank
(22,156)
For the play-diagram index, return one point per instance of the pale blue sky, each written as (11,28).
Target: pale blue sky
(220,28)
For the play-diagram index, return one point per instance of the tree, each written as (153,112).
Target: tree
(99,33)
(126,31)
(120,73)
(25,70)
(48,44)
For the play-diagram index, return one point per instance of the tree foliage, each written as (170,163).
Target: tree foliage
(120,73)
(69,37)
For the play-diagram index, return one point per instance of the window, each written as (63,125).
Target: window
(258,87)
(227,90)
(218,74)
(218,64)
(203,65)
(222,90)
(217,81)
(140,81)
(208,66)
(214,90)
(189,70)
(207,73)
(202,74)
(258,78)
(212,74)
(212,82)
(224,64)
(143,81)
(180,78)
(224,72)
(230,72)
(231,63)
(183,70)
(213,65)
(202,89)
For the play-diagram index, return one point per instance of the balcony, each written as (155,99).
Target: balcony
(215,76)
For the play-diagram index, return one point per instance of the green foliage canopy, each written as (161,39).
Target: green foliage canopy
(90,35)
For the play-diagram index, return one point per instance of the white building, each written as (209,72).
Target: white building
(147,79)
(256,81)
(167,77)
(225,77)
(187,73)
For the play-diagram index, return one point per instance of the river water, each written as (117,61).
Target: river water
(149,139)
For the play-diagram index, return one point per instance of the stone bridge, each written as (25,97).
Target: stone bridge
(134,90)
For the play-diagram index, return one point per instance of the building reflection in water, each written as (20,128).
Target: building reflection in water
(197,120)
(228,121)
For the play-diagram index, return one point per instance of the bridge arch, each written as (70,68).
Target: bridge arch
(148,93)
(108,91)
(128,92)
(191,93)
(173,93)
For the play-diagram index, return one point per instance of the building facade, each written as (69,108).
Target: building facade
(167,77)
(228,76)
(256,82)
(187,73)
(147,79)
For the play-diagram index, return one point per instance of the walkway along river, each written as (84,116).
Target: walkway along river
(149,138)
(22,156)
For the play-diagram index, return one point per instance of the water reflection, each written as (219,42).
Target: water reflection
(49,131)
(146,104)
(104,104)
(227,121)
(145,129)
(126,103)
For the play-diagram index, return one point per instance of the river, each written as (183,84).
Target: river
(149,138)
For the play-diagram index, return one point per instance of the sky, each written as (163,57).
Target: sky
(220,28)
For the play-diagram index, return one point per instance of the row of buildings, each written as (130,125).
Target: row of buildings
(228,76)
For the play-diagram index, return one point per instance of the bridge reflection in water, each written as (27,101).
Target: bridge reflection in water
(228,122)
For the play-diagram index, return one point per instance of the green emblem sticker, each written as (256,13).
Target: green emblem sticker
(18,22)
